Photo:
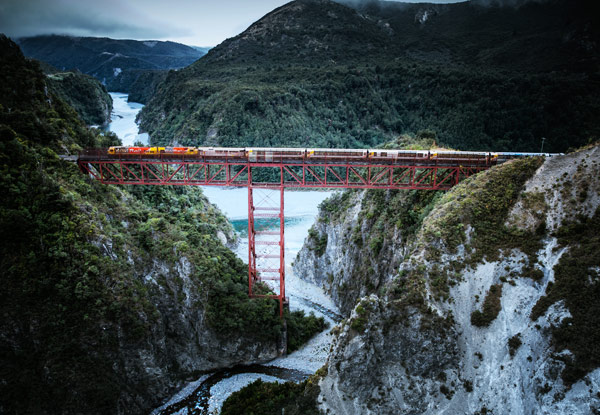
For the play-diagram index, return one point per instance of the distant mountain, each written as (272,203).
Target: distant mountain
(304,31)
(319,73)
(537,36)
(116,63)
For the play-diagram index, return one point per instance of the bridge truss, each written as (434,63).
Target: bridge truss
(266,261)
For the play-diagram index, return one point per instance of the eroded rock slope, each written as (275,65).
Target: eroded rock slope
(489,305)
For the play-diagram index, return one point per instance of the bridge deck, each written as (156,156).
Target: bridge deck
(300,172)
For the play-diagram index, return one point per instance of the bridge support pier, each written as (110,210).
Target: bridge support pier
(266,248)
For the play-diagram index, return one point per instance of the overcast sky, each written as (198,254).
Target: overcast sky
(193,22)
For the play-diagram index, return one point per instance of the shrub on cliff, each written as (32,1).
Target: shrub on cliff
(491,307)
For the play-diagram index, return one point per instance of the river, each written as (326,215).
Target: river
(123,120)
(207,394)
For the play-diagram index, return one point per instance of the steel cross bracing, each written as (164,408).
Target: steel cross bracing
(305,175)
(266,251)
(265,235)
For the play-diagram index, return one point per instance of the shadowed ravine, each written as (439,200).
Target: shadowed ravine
(301,210)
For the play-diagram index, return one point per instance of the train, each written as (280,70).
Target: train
(267,154)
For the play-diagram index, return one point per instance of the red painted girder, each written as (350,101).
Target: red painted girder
(389,177)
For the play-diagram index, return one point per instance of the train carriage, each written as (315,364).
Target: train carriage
(465,157)
(269,154)
(336,153)
(122,150)
(386,154)
(505,156)
(180,150)
(155,150)
(228,152)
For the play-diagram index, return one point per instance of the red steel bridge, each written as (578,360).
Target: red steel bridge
(277,169)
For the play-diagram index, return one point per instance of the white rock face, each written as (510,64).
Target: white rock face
(335,269)
(429,358)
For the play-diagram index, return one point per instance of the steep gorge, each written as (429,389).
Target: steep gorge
(111,297)
(488,306)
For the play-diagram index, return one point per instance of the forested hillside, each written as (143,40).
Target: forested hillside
(111,297)
(145,85)
(116,63)
(84,94)
(318,73)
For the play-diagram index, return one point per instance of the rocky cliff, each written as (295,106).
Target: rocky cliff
(111,297)
(359,241)
(491,307)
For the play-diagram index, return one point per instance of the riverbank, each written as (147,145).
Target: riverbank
(206,394)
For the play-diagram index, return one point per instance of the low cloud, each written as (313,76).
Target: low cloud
(20,18)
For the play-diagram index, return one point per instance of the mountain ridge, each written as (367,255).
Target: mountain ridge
(303,75)
(116,63)
(403,29)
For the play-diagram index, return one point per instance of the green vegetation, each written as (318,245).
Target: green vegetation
(317,243)
(483,202)
(75,255)
(336,206)
(514,343)
(145,85)
(405,210)
(447,392)
(230,312)
(576,282)
(263,398)
(301,328)
(491,307)
(363,311)
(468,385)
(85,94)
(344,81)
